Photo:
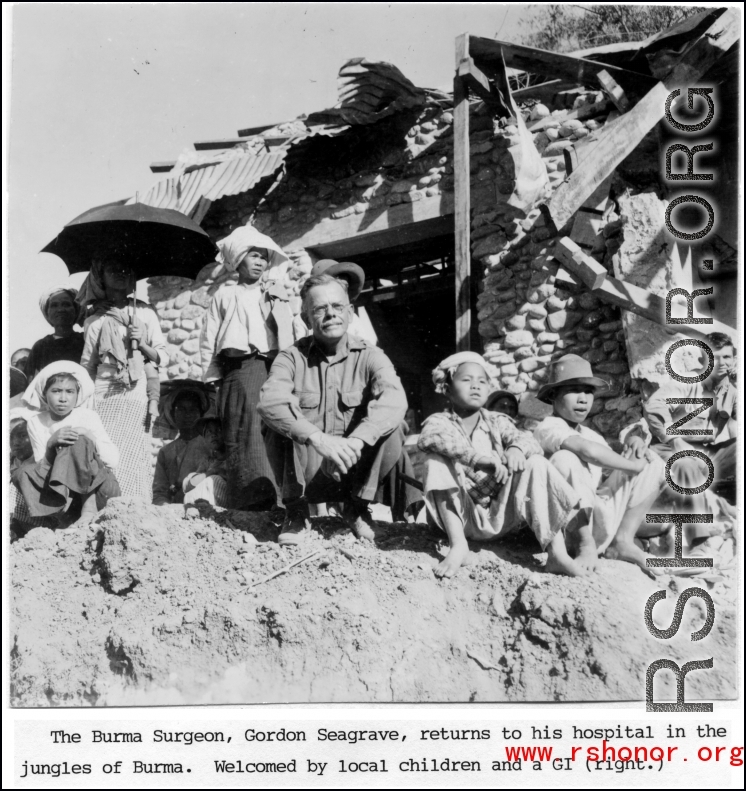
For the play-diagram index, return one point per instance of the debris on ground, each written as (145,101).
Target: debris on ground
(152,605)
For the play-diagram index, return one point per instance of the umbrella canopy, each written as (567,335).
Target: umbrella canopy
(152,241)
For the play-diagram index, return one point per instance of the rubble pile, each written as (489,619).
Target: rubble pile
(154,605)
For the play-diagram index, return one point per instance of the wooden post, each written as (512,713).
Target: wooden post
(462,200)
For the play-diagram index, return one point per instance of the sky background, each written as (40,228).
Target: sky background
(101,91)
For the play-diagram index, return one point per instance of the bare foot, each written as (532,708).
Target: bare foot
(629,552)
(559,562)
(453,560)
(566,566)
(587,557)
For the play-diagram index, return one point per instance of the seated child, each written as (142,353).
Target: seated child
(621,501)
(21,454)
(208,482)
(183,408)
(484,477)
(74,457)
(503,402)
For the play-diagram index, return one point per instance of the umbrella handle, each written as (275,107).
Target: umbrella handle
(135,344)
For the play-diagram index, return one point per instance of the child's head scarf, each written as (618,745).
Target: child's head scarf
(34,395)
(235,246)
(447,368)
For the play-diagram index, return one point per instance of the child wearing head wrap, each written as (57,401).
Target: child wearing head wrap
(485,478)
(58,307)
(183,409)
(73,456)
(247,323)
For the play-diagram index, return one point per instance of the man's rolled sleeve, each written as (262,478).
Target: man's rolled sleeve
(278,407)
(388,404)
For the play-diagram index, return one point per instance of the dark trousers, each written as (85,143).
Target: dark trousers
(375,478)
(76,470)
(249,475)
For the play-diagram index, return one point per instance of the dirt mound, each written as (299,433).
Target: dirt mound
(148,605)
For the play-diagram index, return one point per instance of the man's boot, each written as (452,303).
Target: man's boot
(295,524)
(358,517)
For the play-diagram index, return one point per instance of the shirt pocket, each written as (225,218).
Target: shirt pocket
(309,402)
(351,403)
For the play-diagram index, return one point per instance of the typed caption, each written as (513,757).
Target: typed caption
(377,753)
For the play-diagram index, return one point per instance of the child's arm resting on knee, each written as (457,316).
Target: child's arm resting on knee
(601,455)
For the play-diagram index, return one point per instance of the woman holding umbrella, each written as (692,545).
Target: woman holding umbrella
(121,336)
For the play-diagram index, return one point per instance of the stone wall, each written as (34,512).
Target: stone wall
(525,319)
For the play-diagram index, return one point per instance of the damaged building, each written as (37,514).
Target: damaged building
(522,216)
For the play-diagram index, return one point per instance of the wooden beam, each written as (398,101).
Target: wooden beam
(631,127)
(462,196)
(615,91)
(540,61)
(590,217)
(543,91)
(215,145)
(475,79)
(590,271)
(255,130)
(385,227)
(626,295)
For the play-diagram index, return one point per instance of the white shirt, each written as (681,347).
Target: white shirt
(553,431)
(234,320)
(41,427)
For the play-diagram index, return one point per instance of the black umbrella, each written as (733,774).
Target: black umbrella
(151,241)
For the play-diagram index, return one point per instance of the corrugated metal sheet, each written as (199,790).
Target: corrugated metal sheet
(224,176)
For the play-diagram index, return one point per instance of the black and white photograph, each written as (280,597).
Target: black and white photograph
(372,353)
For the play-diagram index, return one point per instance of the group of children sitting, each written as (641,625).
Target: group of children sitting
(484,477)
(63,462)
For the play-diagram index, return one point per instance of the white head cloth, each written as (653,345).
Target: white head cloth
(447,368)
(50,292)
(235,246)
(34,395)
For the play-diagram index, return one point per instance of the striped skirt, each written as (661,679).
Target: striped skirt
(123,411)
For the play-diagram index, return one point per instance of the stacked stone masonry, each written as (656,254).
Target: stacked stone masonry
(524,319)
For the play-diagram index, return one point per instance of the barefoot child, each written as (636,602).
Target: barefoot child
(484,477)
(183,408)
(621,501)
(74,457)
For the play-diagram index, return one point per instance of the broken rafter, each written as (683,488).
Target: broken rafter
(631,127)
(540,61)
(615,91)
(625,295)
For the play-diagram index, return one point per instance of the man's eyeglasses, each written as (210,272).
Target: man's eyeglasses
(336,307)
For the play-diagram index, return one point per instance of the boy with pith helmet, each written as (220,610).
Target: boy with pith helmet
(619,502)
